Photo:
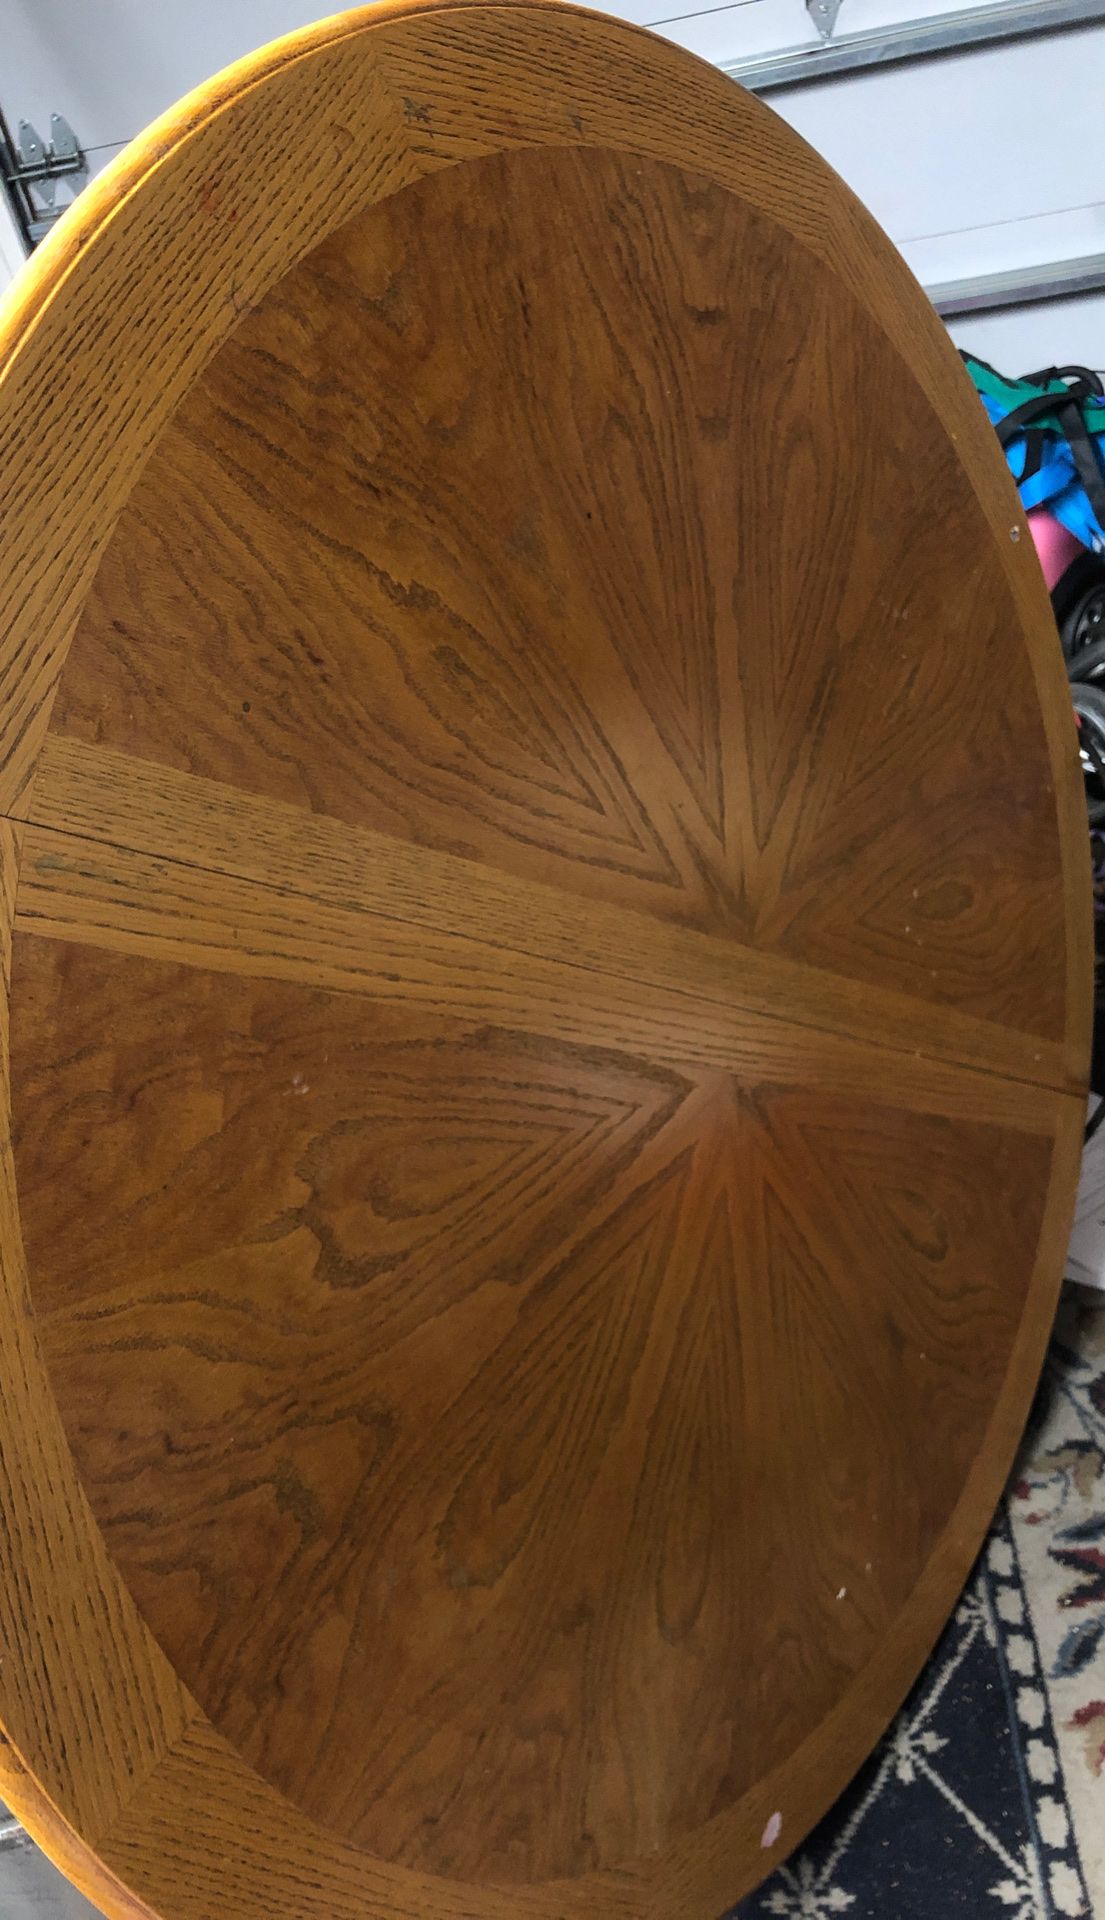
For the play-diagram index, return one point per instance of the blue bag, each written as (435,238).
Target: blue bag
(1052,427)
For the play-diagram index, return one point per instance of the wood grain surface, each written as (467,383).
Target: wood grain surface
(407,1356)
(546,988)
(554,593)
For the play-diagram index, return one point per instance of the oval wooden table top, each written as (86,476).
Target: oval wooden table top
(548,955)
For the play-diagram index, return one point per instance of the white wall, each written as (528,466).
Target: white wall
(1021,339)
(948,153)
(113,65)
(11,246)
(952,157)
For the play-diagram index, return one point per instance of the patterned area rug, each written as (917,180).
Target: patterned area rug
(987,1796)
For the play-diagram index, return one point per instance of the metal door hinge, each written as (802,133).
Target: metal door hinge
(823,14)
(32,168)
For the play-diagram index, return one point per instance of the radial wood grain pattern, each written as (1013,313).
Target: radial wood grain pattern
(536,534)
(545,988)
(441,1353)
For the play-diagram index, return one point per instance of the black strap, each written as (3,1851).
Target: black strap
(1067,409)
(1035,443)
(1085,376)
(1086,461)
(1024,415)
(1035,409)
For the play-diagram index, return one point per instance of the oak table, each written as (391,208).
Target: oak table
(547,962)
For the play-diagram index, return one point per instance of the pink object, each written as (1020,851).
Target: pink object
(772,1830)
(1056,546)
